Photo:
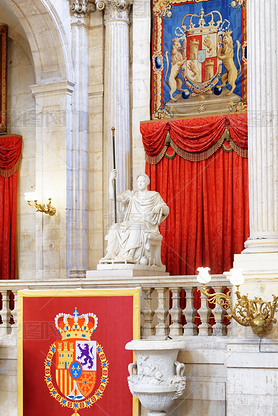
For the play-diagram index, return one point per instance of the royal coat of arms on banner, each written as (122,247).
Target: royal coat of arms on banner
(72,362)
(198,57)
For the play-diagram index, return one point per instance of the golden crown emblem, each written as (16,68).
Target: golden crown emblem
(76,326)
(199,24)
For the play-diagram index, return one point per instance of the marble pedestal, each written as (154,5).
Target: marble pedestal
(252,378)
(125,271)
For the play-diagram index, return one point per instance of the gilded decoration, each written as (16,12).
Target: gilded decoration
(3,72)
(199,62)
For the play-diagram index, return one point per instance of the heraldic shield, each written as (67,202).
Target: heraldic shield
(72,363)
(203,37)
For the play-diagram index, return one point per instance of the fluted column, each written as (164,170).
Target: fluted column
(116,87)
(77,153)
(263,125)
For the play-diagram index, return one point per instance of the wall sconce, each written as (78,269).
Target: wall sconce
(247,312)
(46,208)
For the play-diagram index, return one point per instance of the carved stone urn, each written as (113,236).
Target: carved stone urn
(156,378)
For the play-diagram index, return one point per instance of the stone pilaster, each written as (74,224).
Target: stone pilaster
(116,88)
(53,131)
(77,153)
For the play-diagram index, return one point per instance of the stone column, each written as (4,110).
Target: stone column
(116,88)
(263,126)
(259,260)
(262,135)
(77,153)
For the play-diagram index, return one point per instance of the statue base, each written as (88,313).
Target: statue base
(126,270)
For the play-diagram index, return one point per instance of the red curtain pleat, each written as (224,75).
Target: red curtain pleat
(10,151)
(208,200)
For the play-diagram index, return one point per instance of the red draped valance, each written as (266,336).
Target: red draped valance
(194,139)
(10,153)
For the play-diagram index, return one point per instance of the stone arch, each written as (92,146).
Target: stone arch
(46,36)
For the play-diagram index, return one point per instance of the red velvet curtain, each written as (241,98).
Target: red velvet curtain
(10,153)
(208,198)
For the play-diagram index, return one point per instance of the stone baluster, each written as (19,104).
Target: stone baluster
(162,328)
(5,313)
(204,313)
(14,312)
(147,312)
(175,312)
(189,313)
(218,315)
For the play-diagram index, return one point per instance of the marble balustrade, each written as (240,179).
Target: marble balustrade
(167,305)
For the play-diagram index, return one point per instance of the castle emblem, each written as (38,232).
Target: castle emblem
(75,363)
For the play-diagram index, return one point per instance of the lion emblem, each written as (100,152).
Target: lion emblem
(208,43)
(177,61)
(194,70)
(226,54)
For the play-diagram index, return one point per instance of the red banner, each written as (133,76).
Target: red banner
(71,352)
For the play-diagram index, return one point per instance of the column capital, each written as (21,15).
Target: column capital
(115,9)
(81,8)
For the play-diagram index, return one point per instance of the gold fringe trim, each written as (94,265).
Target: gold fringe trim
(198,157)
(238,150)
(153,160)
(9,172)
(195,157)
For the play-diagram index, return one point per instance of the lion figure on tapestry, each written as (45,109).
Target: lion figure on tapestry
(177,61)
(226,54)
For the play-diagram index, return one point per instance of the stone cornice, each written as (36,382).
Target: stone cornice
(114,9)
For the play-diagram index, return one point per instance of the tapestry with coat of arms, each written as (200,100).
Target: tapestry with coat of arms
(71,352)
(199,57)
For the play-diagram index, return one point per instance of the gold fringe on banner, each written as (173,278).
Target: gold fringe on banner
(6,173)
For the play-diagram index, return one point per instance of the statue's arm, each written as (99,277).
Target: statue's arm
(122,197)
(161,206)
(112,177)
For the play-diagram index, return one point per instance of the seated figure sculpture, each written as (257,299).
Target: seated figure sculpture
(137,237)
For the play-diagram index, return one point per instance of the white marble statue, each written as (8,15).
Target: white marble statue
(137,238)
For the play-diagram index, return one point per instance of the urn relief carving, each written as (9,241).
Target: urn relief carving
(156,378)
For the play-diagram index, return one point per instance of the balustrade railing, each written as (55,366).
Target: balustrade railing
(170,306)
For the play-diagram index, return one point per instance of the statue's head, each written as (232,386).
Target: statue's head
(142,181)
